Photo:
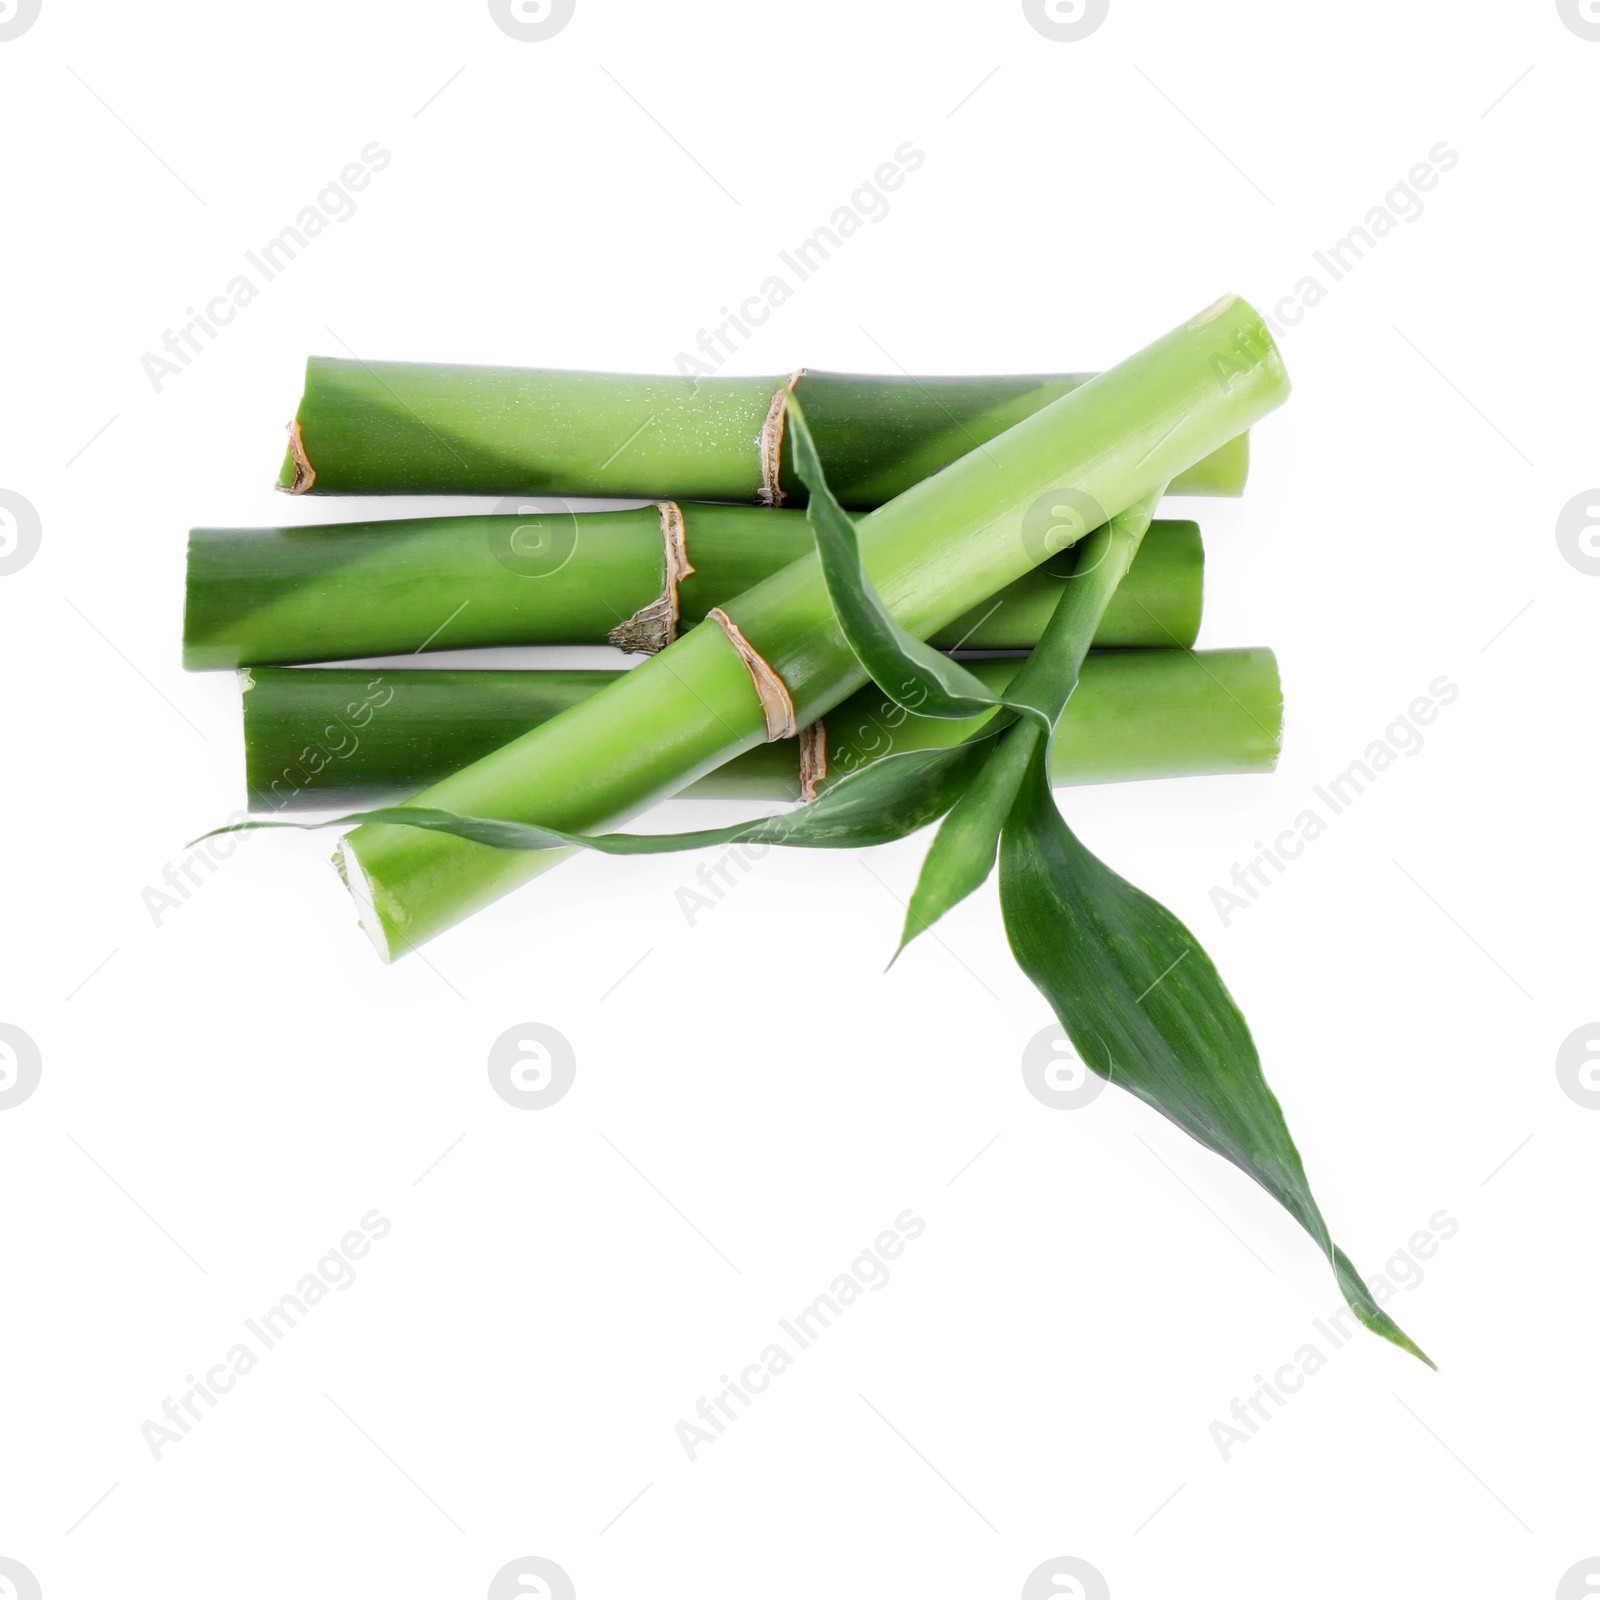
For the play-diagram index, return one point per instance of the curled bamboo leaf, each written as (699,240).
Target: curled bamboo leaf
(911,673)
(915,675)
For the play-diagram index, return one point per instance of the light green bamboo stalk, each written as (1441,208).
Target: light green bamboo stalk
(687,711)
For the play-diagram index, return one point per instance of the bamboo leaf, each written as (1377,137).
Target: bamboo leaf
(915,675)
(1047,679)
(1145,1008)
(962,854)
(963,851)
(888,800)
(911,673)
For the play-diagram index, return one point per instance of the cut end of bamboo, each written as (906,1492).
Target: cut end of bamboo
(354,878)
(1214,310)
(1238,450)
(298,474)
(1278,702)
(1253,343)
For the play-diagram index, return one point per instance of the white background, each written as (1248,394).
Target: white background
(224,1095)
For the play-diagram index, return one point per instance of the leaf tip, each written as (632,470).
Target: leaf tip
(913,926)
(1413,1348)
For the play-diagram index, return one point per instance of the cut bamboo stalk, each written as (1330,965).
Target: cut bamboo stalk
(336,738)
(404,427)
(282,595)
(683,713)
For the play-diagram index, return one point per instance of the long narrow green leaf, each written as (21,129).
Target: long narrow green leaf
(888,800)
(1145,1008)
(962,854)
(911,673)
(1047,679)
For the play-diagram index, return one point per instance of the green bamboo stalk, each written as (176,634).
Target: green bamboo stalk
(403,427)
(282,595)
(684,712)
(337,738)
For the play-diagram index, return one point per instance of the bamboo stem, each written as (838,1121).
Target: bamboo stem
(402,427)
(337,738)
(283,595)
(681,714)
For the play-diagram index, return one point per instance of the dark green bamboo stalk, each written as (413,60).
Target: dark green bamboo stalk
(340,737)
(404,427)
(282,595)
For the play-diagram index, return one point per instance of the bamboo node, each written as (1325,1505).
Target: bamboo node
(777,706)
(674,535)
(769,442)
(304,473)
(649,630)
(653,627)
(813,758)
